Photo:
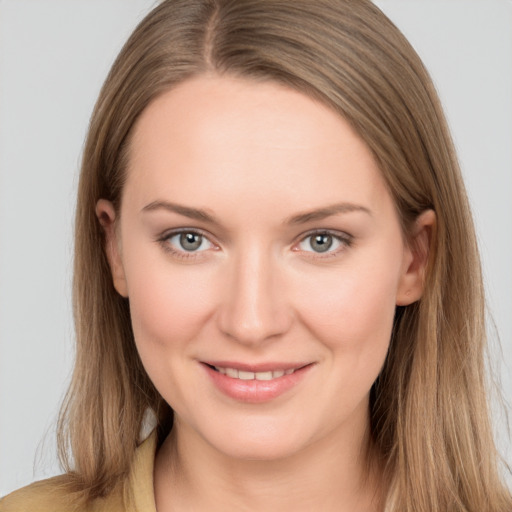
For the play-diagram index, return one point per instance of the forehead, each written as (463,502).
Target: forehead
(238,140)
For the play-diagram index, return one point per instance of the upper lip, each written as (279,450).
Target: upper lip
(260,367)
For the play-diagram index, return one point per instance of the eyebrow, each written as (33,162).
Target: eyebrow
(328,211)
(186,211)
(300,218)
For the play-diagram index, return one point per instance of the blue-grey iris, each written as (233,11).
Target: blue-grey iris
(321,243)
(190,241)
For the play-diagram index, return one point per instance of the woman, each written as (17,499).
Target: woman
(273,246)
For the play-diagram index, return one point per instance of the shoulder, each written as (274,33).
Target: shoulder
(45,495)
(52,495)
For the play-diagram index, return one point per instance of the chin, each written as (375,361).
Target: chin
(257,449)
(265,442)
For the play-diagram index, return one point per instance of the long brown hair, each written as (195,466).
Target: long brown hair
(428,408)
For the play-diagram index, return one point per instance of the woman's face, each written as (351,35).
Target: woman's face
(263,259)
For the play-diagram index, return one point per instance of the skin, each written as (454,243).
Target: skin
(253,156)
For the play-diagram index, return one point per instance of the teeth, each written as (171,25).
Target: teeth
(265,375)
(231,372)
(243,375)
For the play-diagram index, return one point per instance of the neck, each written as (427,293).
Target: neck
(328,475)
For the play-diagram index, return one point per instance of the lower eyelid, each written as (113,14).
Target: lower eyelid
(203,239)
(344,241)
(164,241)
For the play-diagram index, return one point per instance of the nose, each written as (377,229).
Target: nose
(254,306)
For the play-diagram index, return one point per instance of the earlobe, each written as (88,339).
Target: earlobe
(106,214)
(412,280)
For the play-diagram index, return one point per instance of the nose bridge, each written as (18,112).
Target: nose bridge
(255,306)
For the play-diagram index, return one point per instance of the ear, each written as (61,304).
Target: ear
(106,214)
(412,280)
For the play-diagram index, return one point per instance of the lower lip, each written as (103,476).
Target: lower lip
(256,391)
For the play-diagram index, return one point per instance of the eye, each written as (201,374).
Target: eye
(188,241)
(323,242)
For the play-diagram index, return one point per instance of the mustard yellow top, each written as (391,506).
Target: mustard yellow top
(136,494)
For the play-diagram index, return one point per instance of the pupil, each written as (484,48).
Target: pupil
(190,241)
(321,243)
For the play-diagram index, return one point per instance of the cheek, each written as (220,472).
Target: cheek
(351,309)
(169,307)
(169,304)
(352,317)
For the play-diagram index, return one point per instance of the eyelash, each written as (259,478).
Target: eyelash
(183,254)
(344,239)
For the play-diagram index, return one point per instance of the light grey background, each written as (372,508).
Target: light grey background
(54,55)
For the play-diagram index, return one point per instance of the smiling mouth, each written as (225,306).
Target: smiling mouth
(256,383)
(234,373)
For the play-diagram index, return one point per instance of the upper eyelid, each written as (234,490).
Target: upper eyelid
(166,235)
(176,231)
(345,239)
(182,254)
(343,235)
